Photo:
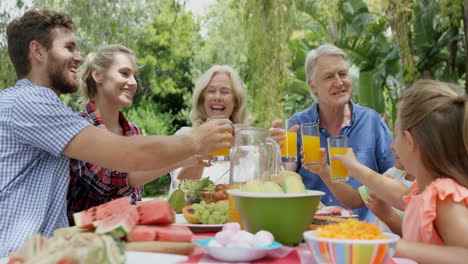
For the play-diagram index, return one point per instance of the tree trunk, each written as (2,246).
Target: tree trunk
(465,22)
(268,27)
(453,52)
(400,18)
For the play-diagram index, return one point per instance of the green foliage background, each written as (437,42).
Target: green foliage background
(390,44)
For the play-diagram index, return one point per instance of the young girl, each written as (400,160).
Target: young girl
(431,140)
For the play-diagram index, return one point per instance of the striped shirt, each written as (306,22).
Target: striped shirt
(91,185)
(35,127)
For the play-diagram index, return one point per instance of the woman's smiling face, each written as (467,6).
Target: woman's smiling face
(118,83)
(218,96)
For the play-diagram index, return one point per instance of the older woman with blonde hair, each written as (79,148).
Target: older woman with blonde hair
(219,92)
(239,114)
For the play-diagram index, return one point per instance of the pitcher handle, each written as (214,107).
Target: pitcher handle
(276,155)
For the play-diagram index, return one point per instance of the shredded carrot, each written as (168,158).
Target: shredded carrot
(351,229)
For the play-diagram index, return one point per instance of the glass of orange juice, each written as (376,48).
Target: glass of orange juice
(311,145)
(289,144)
(222,154)
(338,145)
(233,213)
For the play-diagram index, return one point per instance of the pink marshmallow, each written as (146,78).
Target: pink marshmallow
(260,242)
(238,242)
(224,237)
(244,236)
(232,226)
(214,243)
(263,238)
(265,234)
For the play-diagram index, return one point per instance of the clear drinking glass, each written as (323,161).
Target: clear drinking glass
(223,153)
(289,144)
(338,145)
(311,145)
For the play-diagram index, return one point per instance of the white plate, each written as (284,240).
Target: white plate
(197,228)
(147,257)
(142,257)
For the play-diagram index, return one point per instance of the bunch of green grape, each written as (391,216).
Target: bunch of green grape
(211,214)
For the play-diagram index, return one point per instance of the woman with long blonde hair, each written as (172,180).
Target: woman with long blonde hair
(108,81)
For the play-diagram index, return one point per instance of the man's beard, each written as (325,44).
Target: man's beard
(58,74)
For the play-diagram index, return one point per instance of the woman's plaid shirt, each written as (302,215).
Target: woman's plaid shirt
(91,185)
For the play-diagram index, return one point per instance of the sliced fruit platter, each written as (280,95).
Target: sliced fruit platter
(119,225)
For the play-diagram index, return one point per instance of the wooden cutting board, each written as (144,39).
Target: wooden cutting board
(180,248)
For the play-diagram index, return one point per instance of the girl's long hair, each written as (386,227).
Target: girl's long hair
(436,114)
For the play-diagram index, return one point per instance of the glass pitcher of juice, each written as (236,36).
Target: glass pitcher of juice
(254,156)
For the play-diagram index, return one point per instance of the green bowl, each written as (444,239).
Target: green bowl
(286,216)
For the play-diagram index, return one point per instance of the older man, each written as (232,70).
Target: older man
(327,72)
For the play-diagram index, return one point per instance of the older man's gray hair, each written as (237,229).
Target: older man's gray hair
(311,61)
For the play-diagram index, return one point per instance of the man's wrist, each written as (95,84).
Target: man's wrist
(192,140)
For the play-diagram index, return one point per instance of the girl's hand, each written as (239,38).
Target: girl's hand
(379,207)
(323,170)
(350,161)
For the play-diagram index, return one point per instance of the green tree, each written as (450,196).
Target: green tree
(223,40)
(268,27)
(165,55)
(7,72)
(429,37)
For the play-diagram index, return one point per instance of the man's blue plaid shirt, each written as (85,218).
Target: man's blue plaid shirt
(35,127)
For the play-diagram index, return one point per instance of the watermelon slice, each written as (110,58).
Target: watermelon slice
(173,233)
(85,219)
(168,233)
(119,224)
(142,233)
(156,212)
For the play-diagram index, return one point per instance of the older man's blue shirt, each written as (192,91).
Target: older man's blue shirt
(370,139)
